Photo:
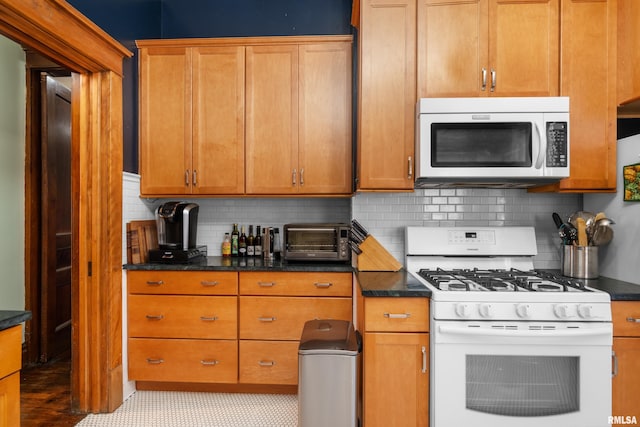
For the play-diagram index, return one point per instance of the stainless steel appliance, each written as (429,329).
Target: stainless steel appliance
(317,242)
(510,345)
(494,141)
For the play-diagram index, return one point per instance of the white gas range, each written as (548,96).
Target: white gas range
(510,345)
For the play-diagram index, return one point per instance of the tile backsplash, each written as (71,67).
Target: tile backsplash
(385,215)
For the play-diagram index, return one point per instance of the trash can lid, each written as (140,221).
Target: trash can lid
(321,335)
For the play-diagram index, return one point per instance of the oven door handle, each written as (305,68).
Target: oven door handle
(470,331)
(542,147)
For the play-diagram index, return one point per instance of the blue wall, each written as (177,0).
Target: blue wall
(129,20)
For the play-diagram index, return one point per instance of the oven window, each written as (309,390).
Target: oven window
(481,144)
(522,386)
(312,240)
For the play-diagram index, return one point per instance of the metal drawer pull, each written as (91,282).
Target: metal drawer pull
(154,361)
(633,319)
(186,177)
(615,364)
(323,285)
(397,315)
(493,80)
(266,319)
(195,178)
(209,319)
(155,317)
(209,362)
(156,283)
(410,169)
(209,283)
(484,79)
(266,363)
(424,360)
(266,284)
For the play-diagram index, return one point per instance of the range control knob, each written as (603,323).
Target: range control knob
(463,310)
(585,311)
(523,311)
(561,311)
(486,310)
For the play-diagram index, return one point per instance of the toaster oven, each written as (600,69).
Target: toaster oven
(317,242)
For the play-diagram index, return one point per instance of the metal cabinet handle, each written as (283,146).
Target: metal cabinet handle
(484,79)
(186,177)
(397,315)
(615,364)
(208,318)
(323,285)
(424,360)
(302,176)
(195,176)
(156,283)
(209,362)
(266,362)
(209,283)
(154,361)
(155,317)
(293,179)
(266,284)
(493,80)
(410,168)
(267,319)
(633,319)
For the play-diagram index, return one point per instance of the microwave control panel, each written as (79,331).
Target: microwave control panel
(557,136)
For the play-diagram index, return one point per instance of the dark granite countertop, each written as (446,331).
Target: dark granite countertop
(10,318)
(617,289)
(218,263)
(390,284)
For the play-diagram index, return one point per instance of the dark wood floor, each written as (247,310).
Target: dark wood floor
(45,395)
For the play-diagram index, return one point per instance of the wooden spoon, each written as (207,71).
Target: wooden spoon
(581,225)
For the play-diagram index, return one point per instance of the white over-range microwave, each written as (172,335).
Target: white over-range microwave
(492,142)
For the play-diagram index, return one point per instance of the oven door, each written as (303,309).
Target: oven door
(503,374)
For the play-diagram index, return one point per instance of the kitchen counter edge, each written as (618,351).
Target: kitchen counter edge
(11,318)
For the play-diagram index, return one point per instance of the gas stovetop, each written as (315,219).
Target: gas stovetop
(499,280)
(487,273)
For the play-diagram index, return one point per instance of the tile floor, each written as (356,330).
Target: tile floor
(187,409)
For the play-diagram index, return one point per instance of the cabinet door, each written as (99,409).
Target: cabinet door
(452,48)
(165,120)
(218,120)
(396,379)
(387,95)
(523,47)
(626,384)
(10,401)
(325,137)
(589,79)
(272,119)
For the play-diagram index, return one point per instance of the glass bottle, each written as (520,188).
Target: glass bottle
(226,245)
(258,242)
(251,249)
(235,235)
(242,243)
(277,247)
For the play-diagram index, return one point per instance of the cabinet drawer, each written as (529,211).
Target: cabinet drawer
(281,318)
(171,316)
(183,360)
(626,318)
(183,283)
(296,284)
(10,350)
(269,362)
(10,401)
(396,314)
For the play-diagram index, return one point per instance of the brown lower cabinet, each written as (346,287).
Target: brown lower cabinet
(626,349)
(396,362)
(10,362)
(226,328)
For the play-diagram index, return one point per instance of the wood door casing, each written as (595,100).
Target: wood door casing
(55,219)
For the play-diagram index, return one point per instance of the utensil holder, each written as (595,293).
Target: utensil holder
(580,262)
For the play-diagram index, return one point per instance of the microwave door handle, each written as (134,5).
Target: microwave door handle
(542,147)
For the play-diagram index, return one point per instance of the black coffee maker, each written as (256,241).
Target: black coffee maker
(177,224)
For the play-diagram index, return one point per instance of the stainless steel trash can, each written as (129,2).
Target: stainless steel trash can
(328,379)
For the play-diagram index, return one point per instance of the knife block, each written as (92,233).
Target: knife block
(375,257)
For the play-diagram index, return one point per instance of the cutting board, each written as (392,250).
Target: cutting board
(141,237)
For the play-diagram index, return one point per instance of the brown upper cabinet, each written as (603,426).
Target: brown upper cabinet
(261,116)
(628,58)
(387,95)
(488,48)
